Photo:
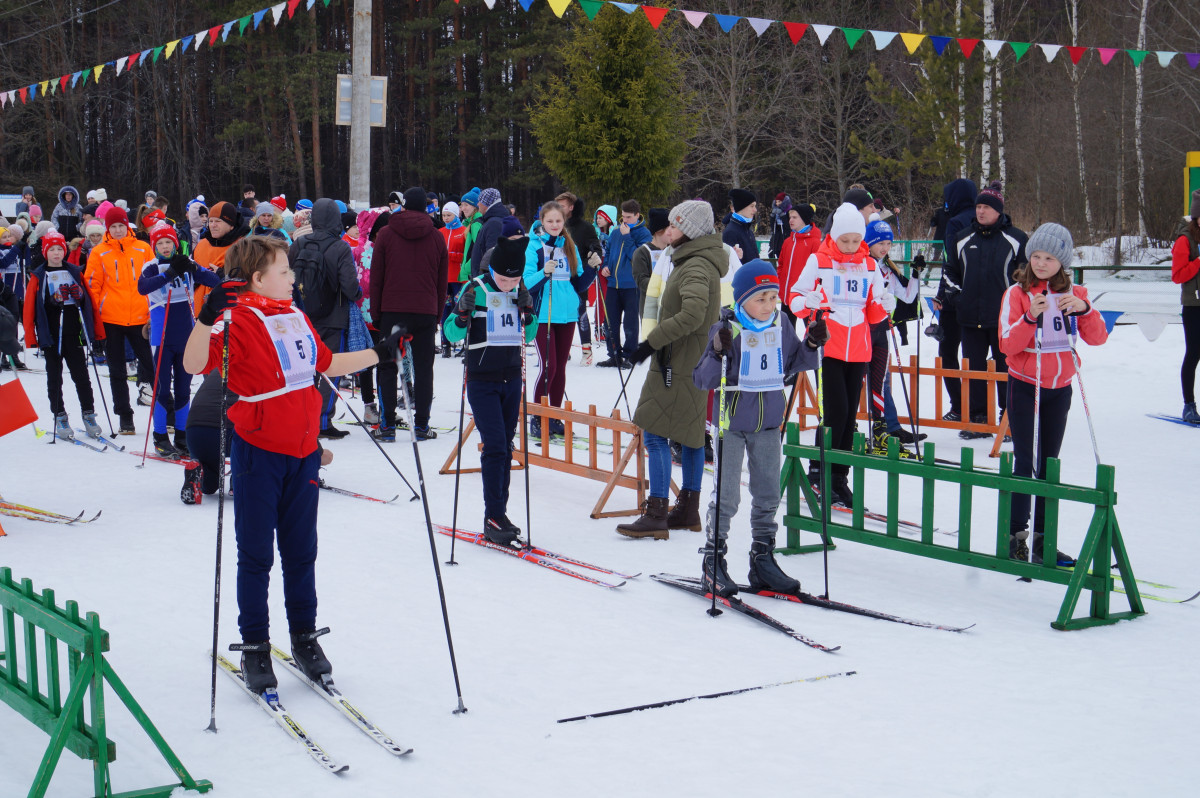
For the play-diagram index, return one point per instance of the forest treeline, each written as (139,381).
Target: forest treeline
(1098,147)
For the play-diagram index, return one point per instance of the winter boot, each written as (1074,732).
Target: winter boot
(1061,560)
(127,427)
(651,524)
(685,513)
(385,433)
(587,358)
(256,667)
(145,394)
(447,350)
(1189,413)
(332,433)
(558,428)
(611,363)
(765,573)
(425,433)
(535,428)
(502,532)
(1017,548)
(91,426)
(163,447)
(180,442)
(62,427)
(192,491)
(840,491)
(371,414)
(309,656)
(976,418)
(952,415)
(725,586)
(814,475)
(709,455)
(906,437)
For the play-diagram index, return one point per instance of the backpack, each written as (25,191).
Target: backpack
(316,283)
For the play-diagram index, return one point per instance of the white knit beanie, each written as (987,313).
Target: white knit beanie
(847,219)
(694,218)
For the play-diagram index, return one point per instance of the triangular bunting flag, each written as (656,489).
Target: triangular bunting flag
(559,6)
(44,85)
(726,21)
(157,53)
(993,47)
(795,30)
(3,98)
(75,78)
(823,32)
(853,35)
(53,87)
(654,14)
(695,17)
(62,82)
(213,33)
(1193,59)
(198,37)
(526,4)
(225,30)
(96,72)
(24,95)
(628,8)
(86,72)
(133,59)
(940,43)
(184,43)
(291,7)
(1076,53)
(142,55)
(33,90)
(170,49)
(1020,48)
(258,17)
(308,6)
(1050,50)
(967,46)
(277,12)
(120,66)
(882,38)
(912,41)
(489,3)
(590,7)
(1164,58)
(1107,53)
(759,24)
(1137,56)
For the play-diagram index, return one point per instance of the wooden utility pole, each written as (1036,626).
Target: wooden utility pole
(360,107)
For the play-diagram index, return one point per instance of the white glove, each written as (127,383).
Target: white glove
(594,260)
(813,300)
(889,303)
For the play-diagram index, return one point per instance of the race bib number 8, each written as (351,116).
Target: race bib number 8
(762,361)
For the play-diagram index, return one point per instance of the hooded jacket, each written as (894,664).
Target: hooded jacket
(959,199)
(849,287)
(489,233)
(337,261)
(410,264)
(66,215)
(619,260)
(114,267)
(793,256)
(979,268)
(557,292)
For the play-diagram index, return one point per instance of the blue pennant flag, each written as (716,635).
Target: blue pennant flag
(75,79)
(33,91)
(939,43)
(525,4)
(726,21)
(628,8)
(187,41)
(258,16)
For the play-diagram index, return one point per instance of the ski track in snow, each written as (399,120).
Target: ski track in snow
(1010,707)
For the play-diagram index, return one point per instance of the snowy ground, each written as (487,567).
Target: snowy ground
(1010,708)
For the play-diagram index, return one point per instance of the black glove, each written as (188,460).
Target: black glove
(219,300)
(180,265)
(935,332)
(918,265)
(527,317)
(391,349)
(817,334)
(724,340)
(97,350)
(463,317)
(644,351)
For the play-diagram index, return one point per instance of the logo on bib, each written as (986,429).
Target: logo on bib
(279,326)
(770,337)
(751,339)
(495,300)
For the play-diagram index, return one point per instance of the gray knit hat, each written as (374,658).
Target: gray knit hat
(694,218)
(1053,239)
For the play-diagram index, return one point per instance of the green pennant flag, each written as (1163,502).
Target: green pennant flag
(1138,56)
(591,7)
(242,23)
(853,35)
(1020,48)
(157,53)
(83,82)
(326,2)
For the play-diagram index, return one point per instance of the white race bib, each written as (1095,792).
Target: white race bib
(503,321)
(296,348)
(850,288)
(56,279)
(562,269)
(762,360)
(1056,327)
(178,290)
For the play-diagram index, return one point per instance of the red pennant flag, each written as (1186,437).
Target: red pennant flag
(655,15)
(292,7)
(24,95)
(1076,53)
(967,46)
(796,30)
(62,82)
(133,59)
(213,33)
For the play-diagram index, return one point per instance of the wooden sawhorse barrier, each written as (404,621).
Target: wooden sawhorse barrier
(610,468)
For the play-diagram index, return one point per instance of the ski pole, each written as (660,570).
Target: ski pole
(1037,398)
(624,384)
(916,418)
(462,409)
(1082,393)
(437,571)
(912,413)
(787,410)
(212,701)
(525,440)
(99,388)
(157,371)
(716,533)
(363,424)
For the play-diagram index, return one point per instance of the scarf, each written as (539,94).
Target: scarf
(738,217)
(750,323)
(268,306)
(454,224)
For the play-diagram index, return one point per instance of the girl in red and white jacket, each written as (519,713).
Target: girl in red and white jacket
(1042,311)
(274,355)
(841,278)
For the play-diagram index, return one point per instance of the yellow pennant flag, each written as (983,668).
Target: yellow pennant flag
(912,41)
(96,72)
(44,84)
(559,6)
(171,47)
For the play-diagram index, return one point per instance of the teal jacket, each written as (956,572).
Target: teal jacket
(565,300)
(488,363)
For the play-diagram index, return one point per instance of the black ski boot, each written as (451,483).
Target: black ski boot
(839,491)
(1061,560)
(180,441)
(502,532)
(1017,548)
(765,573)
(163,447)
(725,587)
(192,490)
(256,666)
(309,656)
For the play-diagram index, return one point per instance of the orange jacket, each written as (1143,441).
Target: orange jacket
(113,269)
(211,257)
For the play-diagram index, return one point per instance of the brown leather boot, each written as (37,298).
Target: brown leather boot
(685,514)
(651,524)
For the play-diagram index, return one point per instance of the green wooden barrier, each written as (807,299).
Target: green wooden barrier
(1102,546)
(36,692)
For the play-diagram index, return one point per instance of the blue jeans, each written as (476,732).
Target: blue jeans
(659,449)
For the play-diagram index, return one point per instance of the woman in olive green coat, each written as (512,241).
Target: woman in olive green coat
(671,407)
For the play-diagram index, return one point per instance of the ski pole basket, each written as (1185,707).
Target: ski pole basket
(32,682)
(1103,546)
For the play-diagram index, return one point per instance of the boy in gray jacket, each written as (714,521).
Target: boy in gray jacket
(760,350)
